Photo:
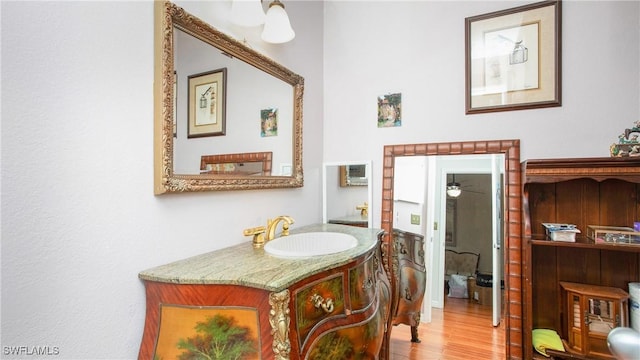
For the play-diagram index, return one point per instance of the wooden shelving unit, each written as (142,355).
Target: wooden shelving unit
(590,191)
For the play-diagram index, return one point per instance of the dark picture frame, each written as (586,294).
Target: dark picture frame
(513,59)
(450,224)
(207,103)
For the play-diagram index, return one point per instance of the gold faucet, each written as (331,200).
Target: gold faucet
(272,224)
(364,209)
(262,234)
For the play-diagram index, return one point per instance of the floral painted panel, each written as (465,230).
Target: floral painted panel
(196,332)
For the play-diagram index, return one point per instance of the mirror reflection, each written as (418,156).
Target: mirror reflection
(347,193)
(226,116)
(262,121)
(428,201)
(468,224)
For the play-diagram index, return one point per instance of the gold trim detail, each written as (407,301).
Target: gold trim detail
(279,319)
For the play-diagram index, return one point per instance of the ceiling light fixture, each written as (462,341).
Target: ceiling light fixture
(277,27)
(247,12)
(453,188)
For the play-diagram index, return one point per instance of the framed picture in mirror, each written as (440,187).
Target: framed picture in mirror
(353,175)
(207,102)
(450,230)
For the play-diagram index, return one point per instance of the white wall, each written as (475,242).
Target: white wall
(417,48)
(79,218)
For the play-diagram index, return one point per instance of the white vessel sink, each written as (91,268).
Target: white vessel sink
(310,244)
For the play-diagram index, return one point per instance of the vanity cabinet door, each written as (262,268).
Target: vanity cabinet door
(362,285)
(318,302)
(359,341)
(365,332)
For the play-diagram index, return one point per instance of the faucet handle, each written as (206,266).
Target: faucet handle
(364,209)
(258,235)
(285,229)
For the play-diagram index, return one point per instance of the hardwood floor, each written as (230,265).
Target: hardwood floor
(462,331)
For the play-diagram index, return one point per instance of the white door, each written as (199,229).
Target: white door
(497,223)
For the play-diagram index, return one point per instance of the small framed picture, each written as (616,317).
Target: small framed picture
(513,58)
(207,103)
(390,110)
(269,122)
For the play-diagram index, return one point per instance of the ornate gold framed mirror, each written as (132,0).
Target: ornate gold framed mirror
(263,108)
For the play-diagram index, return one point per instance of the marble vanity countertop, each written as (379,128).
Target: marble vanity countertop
(352,219)
(243,265)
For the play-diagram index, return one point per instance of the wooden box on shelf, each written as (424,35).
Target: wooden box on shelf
(592,311)
(613,234)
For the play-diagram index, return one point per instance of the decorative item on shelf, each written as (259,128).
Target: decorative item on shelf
(628,142)
(561,232)
(546,339)
(613,234)
(591,312)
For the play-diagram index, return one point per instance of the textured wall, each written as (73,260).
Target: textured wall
(79,218)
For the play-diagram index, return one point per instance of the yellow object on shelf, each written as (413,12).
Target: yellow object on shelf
(544,339)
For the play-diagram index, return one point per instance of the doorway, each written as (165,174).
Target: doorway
(471,225)
(468,220)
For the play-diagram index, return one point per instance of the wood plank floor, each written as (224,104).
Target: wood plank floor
(462,331)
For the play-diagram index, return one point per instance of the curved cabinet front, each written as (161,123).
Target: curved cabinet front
(408,248)
(348,304)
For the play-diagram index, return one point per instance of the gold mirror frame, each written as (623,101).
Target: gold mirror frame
(167,17)
(512,217)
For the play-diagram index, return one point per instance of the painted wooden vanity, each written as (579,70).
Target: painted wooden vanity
(244,301)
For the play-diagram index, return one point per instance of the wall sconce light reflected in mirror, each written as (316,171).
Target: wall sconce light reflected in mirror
(453,188)
(203,98)
(247,12)
(277,27)
(519,55)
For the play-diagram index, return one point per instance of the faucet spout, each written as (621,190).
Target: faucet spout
(273,224)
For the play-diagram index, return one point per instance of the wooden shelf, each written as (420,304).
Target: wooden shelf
(599,169)
(586,243)
(583,192)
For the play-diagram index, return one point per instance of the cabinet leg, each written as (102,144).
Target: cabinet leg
(414,334)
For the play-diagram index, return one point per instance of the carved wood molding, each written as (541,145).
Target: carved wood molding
(513,320)
(280,320)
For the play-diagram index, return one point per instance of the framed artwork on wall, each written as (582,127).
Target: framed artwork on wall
(207,103)
(390,110)
(513,58)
